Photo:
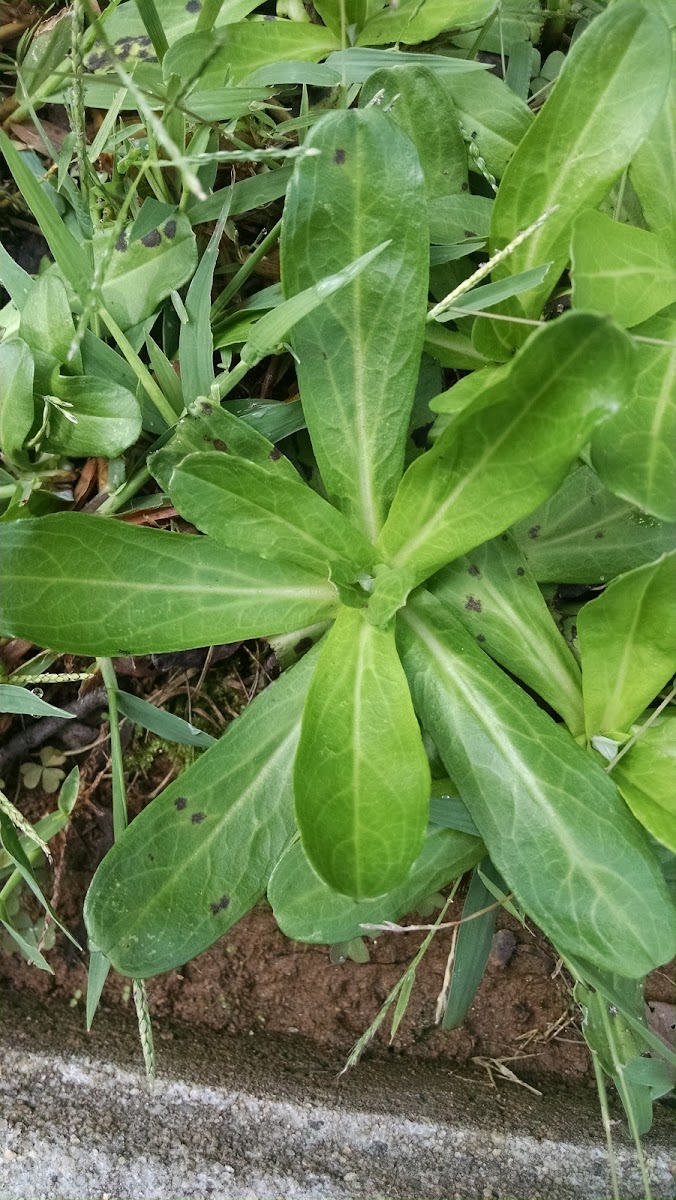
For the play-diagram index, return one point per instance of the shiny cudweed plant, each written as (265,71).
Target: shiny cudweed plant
(417,595)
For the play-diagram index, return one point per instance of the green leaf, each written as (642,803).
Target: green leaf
(361,776)
(244,195)
(307,909)
(209,426)
(14,279)
(95,586)
(574,151)
(645,778)
(514,446)
(165,724)
(359,354)
(627,639)
(247,507)
(552,820)
(71,257)
(620,270)
(201,854)
(17,409)
(100,418)
(251,45)
(46,322)
(653,169)
(453,349)
(97,973)
(618,1045)
(425,112)
(12,846)
(495,596)
(144,270)
(455,217)
(269,331)
(495,117)
(472,948)
(489,294)
(358,63)
(196,344)
(584,534)
(635,451)
(411,22)
(20,700)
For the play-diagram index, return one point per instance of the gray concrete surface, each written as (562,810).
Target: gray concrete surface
(268,1118)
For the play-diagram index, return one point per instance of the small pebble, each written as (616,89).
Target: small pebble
(502,949)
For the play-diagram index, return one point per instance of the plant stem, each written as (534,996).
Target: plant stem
(129,489)
(105,666)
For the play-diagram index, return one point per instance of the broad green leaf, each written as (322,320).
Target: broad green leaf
(552,820)
(251,45)
(361,777)
(246,507)
(452,218)
(421,107)
(47,51)
(14,279)
(72,257)
(574,151)
(100,418)
(618,1045)
(472,947)
(125,26)
(357,12)
(645,776)
(143,271)
(519,22)
(276,420)
(513,448)
(165,724)
(209,427)
(584,534)
(17,409)
(625,272)
(495,596)
(635,451)
(92,585)
(46,322)
(411,22)
(491,113)
(21,700)
(653,168)
(359,354)
(627,639)
(201,854)
(307,910)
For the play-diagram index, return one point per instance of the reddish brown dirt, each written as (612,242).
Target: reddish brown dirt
(254,979)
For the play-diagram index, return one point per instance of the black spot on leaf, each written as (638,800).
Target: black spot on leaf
(474,570)
(193,6)
(520,571)
(220,445)
(152,238)
(339,157)
(473,605)
(220,905)
(170,228)
(534,531)
(599,534)
(480,637)
(464,187)
(197,818)
(207,408)
(121,243)
(180,803)
(469,233)
(303,645)
(275,454)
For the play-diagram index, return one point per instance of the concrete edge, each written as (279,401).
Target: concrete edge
(267,1118)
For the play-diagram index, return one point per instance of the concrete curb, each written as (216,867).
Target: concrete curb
(267,1118)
